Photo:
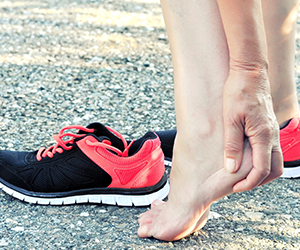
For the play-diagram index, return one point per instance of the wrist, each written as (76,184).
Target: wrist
(248,77)
(249,67)
(252,72)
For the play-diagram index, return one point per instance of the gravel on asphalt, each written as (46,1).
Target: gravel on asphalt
(66,62)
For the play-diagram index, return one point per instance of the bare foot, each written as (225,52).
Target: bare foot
(195,184)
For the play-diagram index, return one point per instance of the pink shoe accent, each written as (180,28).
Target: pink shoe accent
(290,140)
(143,169)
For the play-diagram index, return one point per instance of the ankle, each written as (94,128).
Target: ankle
(284,124)
(198,146)
(285,112)
(284,120)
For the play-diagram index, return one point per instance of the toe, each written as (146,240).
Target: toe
(144,219)
(141,215)
(156,203)
(144,230)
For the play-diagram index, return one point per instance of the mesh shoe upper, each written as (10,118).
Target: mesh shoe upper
(63,172)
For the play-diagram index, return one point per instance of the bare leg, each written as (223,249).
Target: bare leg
(280,22)
(201,64)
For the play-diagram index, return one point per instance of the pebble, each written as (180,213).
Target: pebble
(254,215)
(18,229)
(84,214)
(3,243)
(77,120)
(214,215)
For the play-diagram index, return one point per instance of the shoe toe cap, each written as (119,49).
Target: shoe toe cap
(13,158)
(11,165)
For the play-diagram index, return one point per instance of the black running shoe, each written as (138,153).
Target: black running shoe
(167,138)
(96,165)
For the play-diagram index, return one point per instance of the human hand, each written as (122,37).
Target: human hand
(248,111)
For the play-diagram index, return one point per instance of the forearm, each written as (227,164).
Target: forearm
(247,104)
(244,28)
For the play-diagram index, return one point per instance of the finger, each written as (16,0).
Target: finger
(233,147)
(276,165)
(247,184)
(261,168)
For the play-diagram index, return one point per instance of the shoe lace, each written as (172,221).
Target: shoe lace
(67,145)
(107,144)
(61,144)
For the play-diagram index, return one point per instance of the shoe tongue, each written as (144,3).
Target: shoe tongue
(102,132)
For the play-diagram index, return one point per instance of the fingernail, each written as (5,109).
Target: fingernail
(230,165)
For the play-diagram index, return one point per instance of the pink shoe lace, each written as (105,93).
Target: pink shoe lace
(67,145)
(107,144)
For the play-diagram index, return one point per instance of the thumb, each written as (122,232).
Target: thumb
(233,148)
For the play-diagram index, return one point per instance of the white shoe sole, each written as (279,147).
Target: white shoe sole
(291,172)
(168,163)
(109,199)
